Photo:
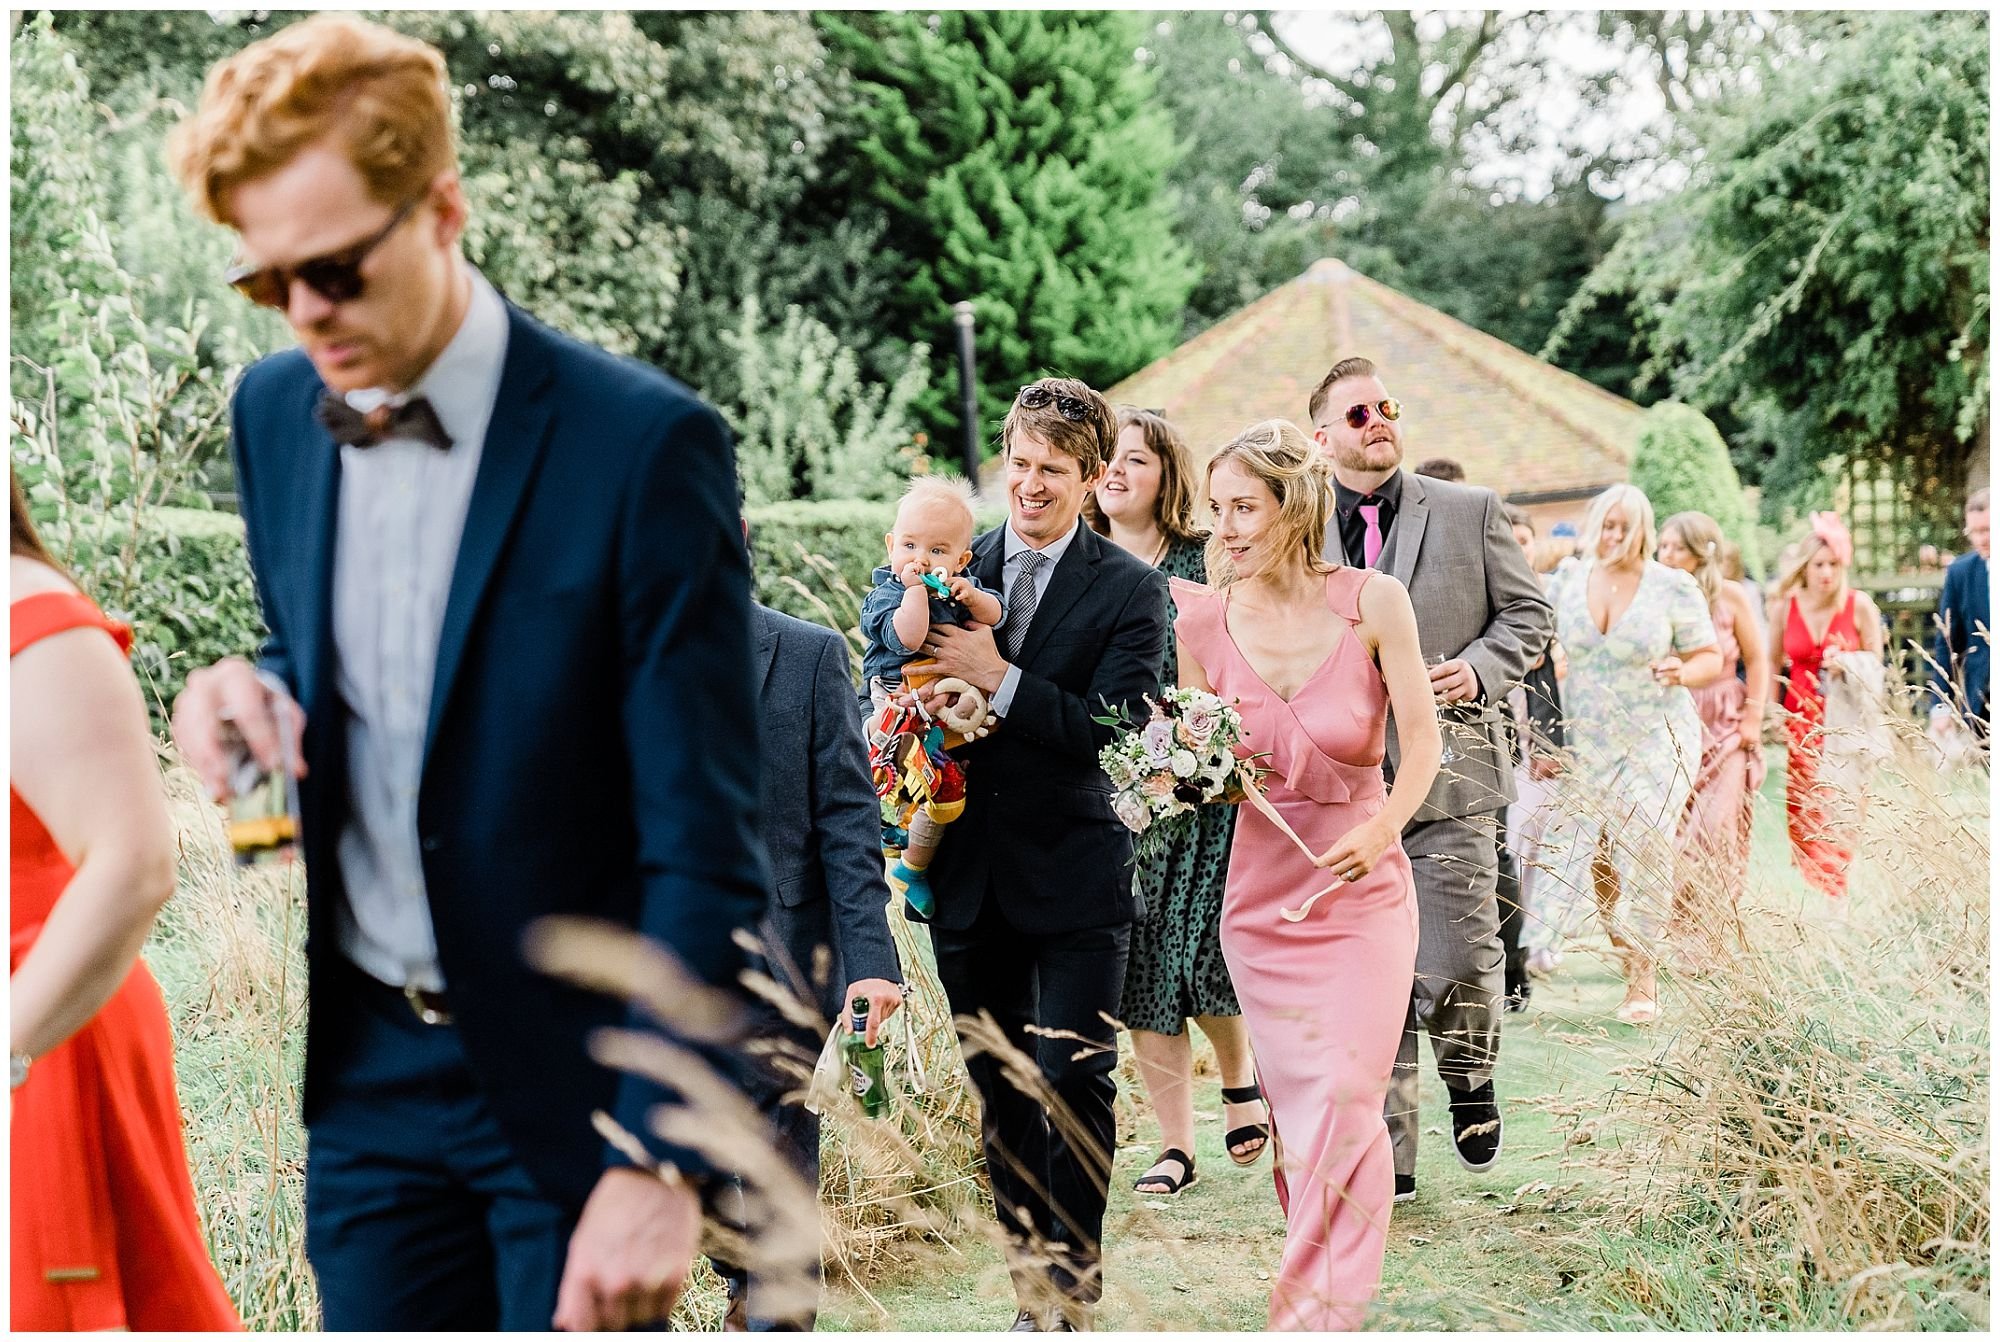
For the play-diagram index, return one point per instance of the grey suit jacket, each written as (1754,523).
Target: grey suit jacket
(819,817)
(1475,598)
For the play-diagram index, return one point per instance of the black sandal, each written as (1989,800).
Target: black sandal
(1259,1133)
(1174,1185)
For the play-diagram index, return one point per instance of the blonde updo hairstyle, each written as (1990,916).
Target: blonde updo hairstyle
(1700,536)
(1299,476)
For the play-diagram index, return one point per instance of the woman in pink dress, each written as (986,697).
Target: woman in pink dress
(1319,915)
(1714,852)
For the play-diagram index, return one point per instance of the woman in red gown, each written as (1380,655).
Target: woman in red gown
(1816,614)
(104,1231)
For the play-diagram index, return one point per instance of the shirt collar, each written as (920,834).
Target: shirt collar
(463,380)
(1053,551)
(1390,491)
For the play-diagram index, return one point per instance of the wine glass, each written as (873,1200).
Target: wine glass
(1450,756)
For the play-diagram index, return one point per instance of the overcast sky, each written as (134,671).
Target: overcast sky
(1344,41)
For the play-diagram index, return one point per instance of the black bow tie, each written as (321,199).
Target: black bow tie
(414,419)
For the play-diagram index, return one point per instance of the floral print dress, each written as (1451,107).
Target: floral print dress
(1636,750)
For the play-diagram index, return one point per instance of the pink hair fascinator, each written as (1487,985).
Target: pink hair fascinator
(1833,533)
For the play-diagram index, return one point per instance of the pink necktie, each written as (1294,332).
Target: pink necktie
(1371,539)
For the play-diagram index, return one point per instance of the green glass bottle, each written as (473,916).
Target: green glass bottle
(867,1077)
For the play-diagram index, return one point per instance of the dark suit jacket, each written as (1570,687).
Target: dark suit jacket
(1038,833)
(586,751)
(820,819)
(1963,655)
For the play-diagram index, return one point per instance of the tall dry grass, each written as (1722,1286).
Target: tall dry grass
(229,954)
(1804,1143)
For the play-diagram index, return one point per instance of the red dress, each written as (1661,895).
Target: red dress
(1821,856)
(103,1220)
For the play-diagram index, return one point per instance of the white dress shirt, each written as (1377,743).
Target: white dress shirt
(402,512)
(1003,698)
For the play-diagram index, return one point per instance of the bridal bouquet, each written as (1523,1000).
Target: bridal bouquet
(1179,758)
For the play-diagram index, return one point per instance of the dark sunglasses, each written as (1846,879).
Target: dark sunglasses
(1389,409)
(336,276)
(1034,397)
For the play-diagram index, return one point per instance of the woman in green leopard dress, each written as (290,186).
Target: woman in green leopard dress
(1145,504)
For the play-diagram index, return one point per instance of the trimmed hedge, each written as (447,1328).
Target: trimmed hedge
(193,601)
(1682,465)
(811,559)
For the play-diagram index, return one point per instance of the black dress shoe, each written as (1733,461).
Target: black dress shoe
(1406,1188)
(1519,990)
(1475,1126)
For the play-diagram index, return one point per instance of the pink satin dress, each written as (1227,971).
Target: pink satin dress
(1325,997)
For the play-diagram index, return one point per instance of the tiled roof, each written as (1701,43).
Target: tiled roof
(1517,424)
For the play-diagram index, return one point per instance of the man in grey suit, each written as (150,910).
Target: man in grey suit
(1482,620)
(827,924)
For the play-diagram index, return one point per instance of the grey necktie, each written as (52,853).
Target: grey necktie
(1021,600)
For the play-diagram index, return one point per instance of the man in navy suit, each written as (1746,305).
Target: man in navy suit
(1962,671)
(1035,899)
(509,642)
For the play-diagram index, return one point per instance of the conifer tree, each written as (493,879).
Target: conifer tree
(1021,160)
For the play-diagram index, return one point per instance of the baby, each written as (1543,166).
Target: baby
(932,540)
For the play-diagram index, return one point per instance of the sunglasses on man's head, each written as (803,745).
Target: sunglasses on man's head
(336,276)
(1388,408)
(1071,408)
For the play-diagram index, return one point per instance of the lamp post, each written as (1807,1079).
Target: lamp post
(968,390)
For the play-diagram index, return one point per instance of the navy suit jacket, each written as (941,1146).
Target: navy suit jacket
(586,751)
(821,821)
(1038,833)
(1960,648)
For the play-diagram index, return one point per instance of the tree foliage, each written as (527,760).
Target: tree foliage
(809,426)
(1826,274)
(113,411)
(1018,158)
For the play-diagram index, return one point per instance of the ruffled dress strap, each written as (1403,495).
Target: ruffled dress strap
(43,614)
(1198,622)
(1343,591)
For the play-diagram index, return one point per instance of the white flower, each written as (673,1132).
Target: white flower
(1159,741)
(1183,763)
(1131,812)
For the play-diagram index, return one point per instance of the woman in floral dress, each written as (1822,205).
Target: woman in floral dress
(1639,639)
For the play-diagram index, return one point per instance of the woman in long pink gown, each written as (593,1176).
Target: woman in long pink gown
(1313,655)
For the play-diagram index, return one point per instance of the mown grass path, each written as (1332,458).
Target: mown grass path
(1469,1252)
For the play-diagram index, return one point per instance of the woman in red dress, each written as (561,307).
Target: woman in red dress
(104,1231)
(1816,615)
